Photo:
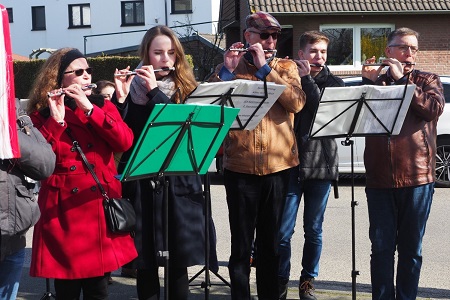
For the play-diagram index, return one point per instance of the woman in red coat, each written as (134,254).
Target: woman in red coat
(71,242)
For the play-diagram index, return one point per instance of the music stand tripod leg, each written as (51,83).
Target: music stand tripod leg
(48,294)
(206,284)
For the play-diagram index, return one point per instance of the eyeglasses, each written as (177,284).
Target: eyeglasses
(80,72)
(265,35)
(405,48)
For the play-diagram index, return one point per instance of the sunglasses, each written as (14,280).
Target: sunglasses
(266,35)
(80,72)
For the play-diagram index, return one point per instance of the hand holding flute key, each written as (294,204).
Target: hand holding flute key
(61,92)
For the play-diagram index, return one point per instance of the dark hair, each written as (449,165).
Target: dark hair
(101,84)
(47,78)
(402,31)
(312,37)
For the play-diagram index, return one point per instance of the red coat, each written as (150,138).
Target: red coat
(71,240)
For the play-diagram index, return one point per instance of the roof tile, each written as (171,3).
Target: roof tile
(349,6)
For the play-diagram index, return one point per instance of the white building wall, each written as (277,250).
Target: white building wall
(105,19)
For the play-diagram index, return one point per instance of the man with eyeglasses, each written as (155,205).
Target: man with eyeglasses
(257,162)
(400,172)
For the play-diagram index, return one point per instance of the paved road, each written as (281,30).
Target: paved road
(335,281)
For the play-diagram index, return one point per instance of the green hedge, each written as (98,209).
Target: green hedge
(103,68)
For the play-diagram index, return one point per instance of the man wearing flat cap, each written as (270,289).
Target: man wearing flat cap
(257,162)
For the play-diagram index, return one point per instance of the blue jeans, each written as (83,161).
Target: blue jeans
(10,273)
(397,219)
(315,194)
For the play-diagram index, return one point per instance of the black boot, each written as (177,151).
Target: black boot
(306,289)
(282,288)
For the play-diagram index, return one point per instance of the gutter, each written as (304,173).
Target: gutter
(341,13)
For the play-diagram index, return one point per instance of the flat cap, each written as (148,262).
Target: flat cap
(262,21)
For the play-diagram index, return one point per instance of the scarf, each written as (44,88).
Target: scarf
(138,90)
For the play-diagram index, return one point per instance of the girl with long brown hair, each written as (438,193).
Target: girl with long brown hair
(161,50)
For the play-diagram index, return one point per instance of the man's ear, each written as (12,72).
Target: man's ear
(246,37)
(300,54)
(387,51)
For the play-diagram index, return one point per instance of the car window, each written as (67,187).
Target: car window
(353,82)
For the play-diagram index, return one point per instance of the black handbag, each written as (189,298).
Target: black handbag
(119,212)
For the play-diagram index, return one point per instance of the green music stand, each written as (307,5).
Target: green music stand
(178,140)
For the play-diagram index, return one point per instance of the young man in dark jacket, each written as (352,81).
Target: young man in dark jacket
(400,171)
(317,172)
(19,210)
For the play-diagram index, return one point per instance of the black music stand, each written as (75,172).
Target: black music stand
(366,110)
(177,140)
(48,294)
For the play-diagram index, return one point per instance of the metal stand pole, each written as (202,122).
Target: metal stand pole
(354,203)
(206,284)
(48,294)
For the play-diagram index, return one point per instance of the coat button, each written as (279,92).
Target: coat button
(73,168)
(90,145)
(93,188)
(72,149)
(74,190)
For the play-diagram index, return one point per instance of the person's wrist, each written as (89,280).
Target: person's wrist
(89,112)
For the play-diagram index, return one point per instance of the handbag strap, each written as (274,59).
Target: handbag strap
(88,165)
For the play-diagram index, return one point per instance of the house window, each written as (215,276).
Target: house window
(132,13)
(10,14)
(79,15)
(181,6)
(38,17)
(352,44)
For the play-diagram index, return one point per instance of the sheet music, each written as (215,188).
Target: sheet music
(246,95)
(339,104)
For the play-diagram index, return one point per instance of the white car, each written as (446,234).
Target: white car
(443,142)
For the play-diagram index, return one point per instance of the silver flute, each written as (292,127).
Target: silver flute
(156,70)
(246,50)
(84,88)
(385,65)
(316,65)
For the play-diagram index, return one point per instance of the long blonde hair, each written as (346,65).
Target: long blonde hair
(183,76)
(46,80)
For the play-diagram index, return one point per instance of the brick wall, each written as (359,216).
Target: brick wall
(434,40)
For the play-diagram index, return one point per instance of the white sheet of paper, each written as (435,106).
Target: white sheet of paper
(338,106)
(246,95)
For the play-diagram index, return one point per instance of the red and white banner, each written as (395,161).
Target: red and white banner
(9,144)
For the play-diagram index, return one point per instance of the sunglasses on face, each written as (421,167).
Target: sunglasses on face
(266,35)
(80,72)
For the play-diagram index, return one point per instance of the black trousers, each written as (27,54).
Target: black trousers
(148,287)
(95,288)
(255,202)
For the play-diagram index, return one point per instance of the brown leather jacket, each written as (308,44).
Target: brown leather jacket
(270,147)
(409,158)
